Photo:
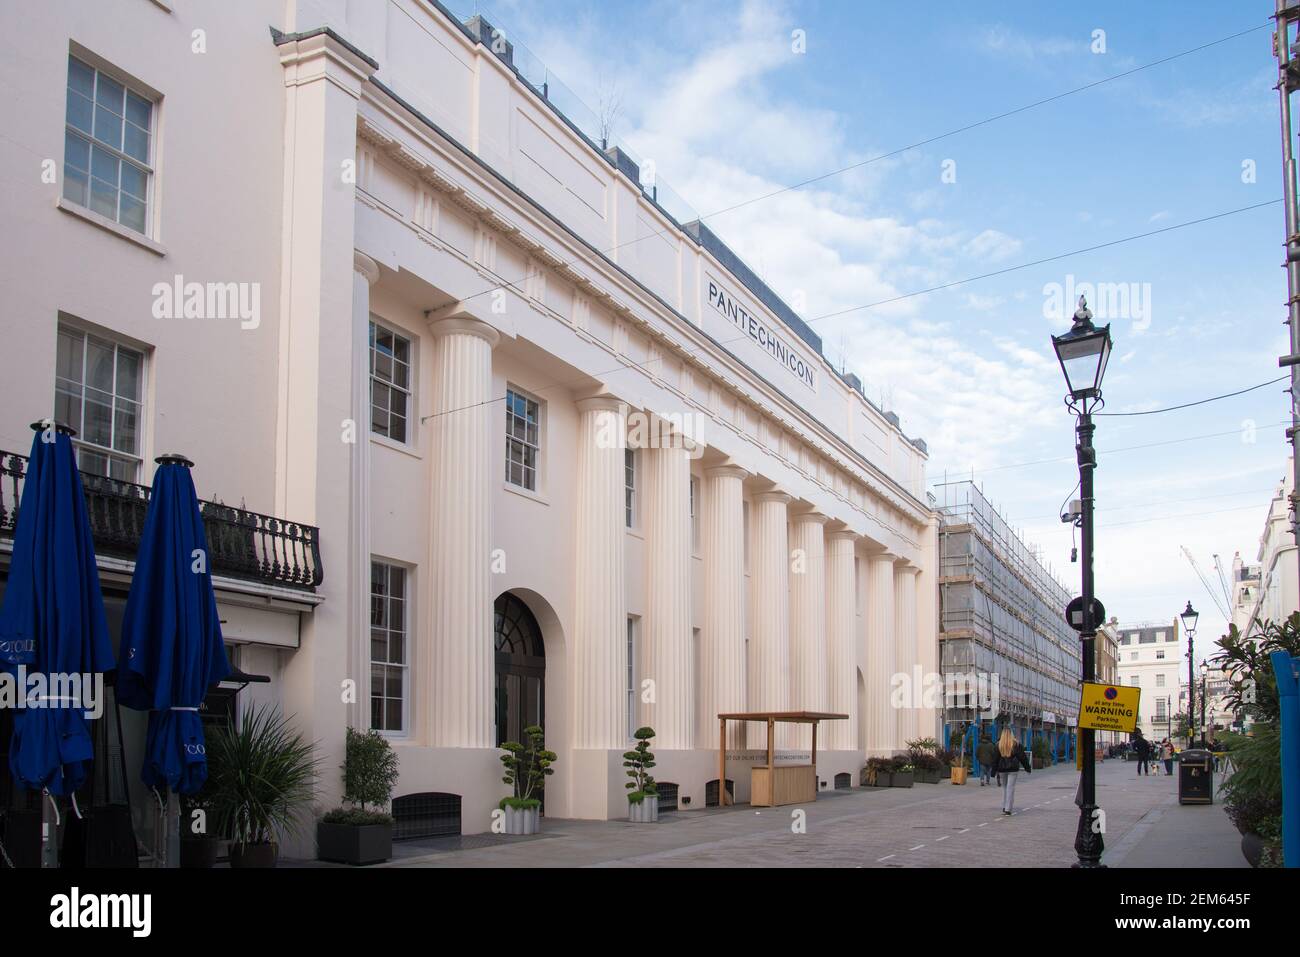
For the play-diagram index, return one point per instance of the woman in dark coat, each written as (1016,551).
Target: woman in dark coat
(1010,759)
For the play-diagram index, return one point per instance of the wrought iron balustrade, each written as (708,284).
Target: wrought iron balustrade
(241,544)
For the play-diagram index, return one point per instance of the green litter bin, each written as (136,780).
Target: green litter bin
(1196,777)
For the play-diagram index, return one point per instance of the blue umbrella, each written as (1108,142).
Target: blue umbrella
(53,620)
(171,650)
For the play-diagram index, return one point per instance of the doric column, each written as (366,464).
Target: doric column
(461,663)
(722,636)
(882,727)
(600,610)
(841,620)
(808,656)
(906,661)
(365,272)
(769,621)
(666,649)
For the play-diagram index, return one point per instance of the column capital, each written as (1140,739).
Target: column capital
(842,534)
(366,266)
(727,470)
(601,403)
(772,495)
(465,325)
(811,516)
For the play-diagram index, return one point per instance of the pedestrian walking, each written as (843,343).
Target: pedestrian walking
(987,756)
(1142,747)
(1010,758)
(1167,756)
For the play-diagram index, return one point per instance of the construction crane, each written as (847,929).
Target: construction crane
(1223,580)
(1223,609)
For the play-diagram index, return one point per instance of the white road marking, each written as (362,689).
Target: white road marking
(963,830)
(944,838)
(917,848)
(885,858)
(985,824)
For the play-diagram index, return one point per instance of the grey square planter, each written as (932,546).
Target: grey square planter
(645,811)
(354,844)
(903,779)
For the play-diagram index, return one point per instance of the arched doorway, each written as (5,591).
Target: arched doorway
(520,669)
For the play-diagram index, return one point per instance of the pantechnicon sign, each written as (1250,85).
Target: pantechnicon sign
(759,331)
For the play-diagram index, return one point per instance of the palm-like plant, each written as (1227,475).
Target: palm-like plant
(261,776)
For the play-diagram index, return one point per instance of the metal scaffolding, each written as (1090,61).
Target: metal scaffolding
(1002,613)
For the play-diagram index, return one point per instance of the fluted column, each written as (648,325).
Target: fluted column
(722,634)
(882,727)
(841,620)
(769,632)
(906,661)
(808,656)
(460,587)
(600,612)
(666,650)
(365,273)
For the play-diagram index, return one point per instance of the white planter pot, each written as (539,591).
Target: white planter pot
(644,812)
(523,820)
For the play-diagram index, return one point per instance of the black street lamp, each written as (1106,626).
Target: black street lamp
(1083,353)
(1205,705)
(1190,617)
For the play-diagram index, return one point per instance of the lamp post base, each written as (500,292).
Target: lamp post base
(1088,842)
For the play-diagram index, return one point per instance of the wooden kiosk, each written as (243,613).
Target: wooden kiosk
(771,785)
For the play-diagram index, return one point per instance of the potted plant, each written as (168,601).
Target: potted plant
(527,767)
(1041,753)
(362,833)
(878,773)
(643,793)
(261,775)
(958,769)
(903,772)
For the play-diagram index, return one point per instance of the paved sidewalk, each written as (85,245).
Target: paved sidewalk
(930,825)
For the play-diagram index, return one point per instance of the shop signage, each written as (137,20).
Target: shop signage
(775,345)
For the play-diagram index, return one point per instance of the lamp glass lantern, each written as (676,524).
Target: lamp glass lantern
(1189,617)
(1083,353)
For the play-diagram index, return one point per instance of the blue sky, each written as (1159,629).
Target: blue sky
(729,112)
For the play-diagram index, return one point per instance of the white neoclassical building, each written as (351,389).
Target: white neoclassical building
(560,458)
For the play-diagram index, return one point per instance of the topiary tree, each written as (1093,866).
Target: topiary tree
(370,769)
(639,761)
(527,767)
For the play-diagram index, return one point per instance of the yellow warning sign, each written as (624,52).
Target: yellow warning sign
(1109,707)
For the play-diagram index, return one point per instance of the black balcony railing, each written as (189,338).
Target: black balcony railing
(241,544)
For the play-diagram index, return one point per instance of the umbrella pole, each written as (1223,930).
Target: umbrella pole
(49,831)
(173,830)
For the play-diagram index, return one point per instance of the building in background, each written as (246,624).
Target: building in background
(1151,657)
(1107,671)
(1267,590)
(521,440)
(1002,613)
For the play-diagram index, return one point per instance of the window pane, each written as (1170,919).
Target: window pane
(136,143)
(81,77)
(92,462)
(138,110)
(68,362)
(128,374)
(80,111)
(134,180)
(108,127)
(124,470)
(394,716)
(397,582)
(99,365)
(76,187)
(98,423)
(133,213)
(67,408)
(397,649)
(104,165)
(103,198)
(76,151)
(125,420)
(109,93)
